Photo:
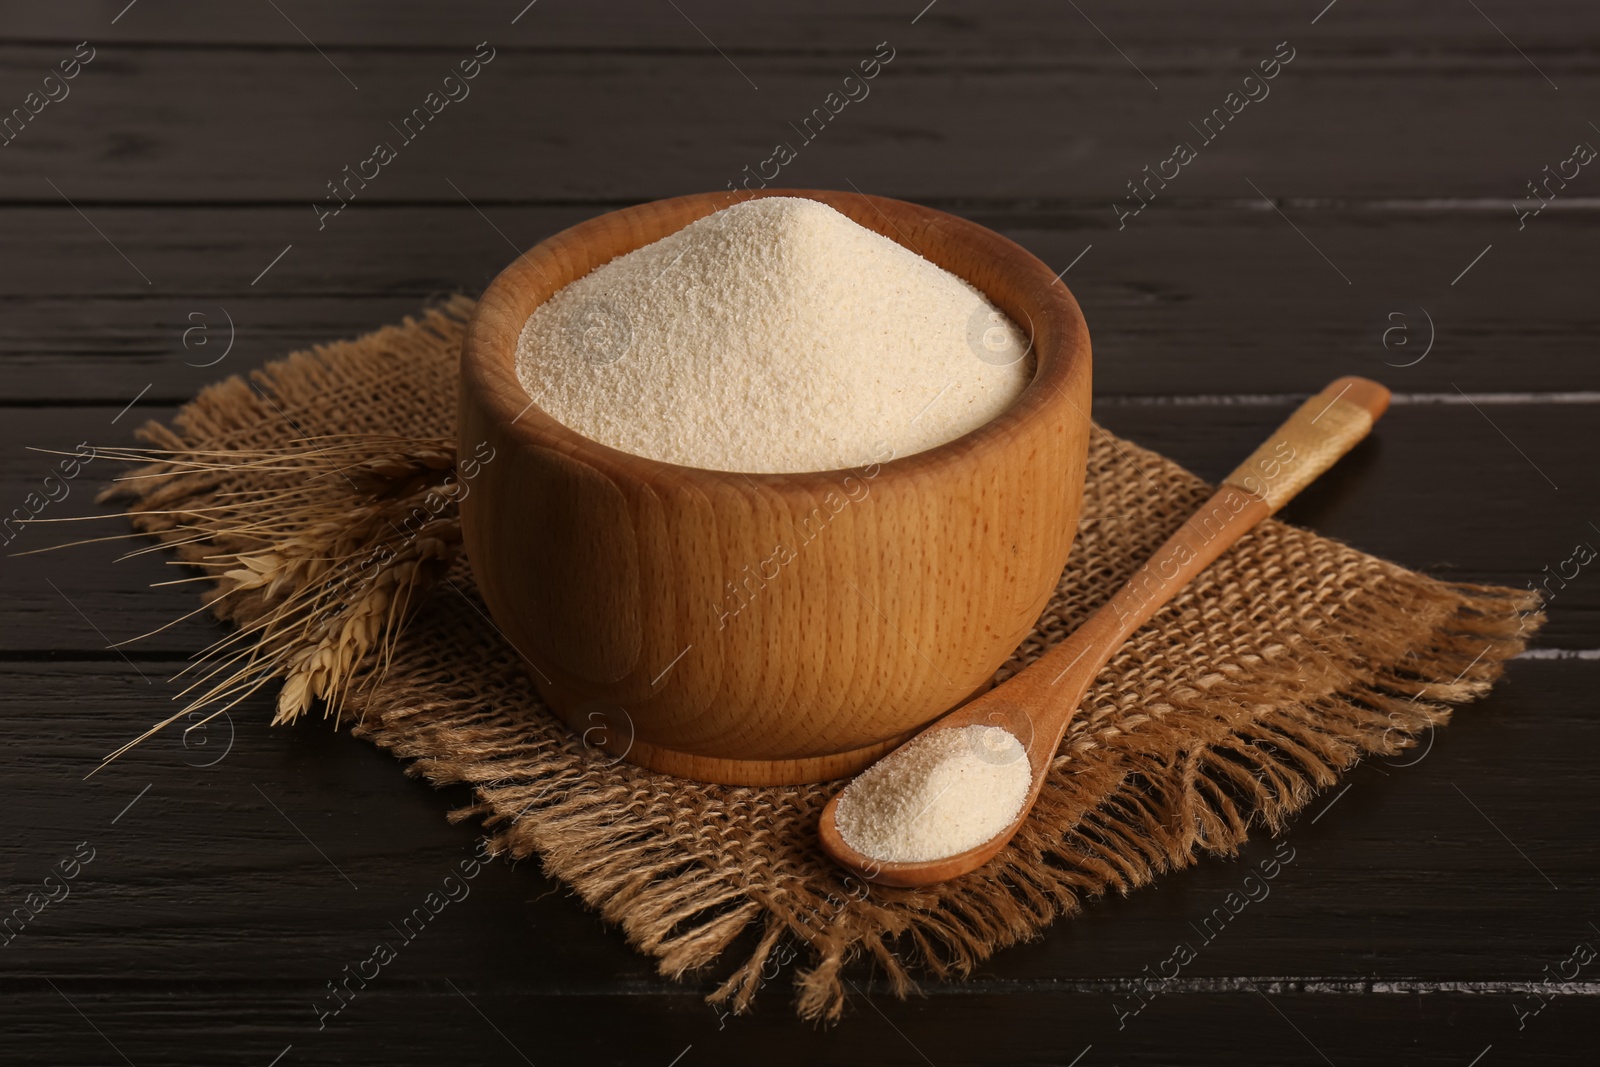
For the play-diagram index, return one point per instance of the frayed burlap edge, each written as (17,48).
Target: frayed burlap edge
(1291,659)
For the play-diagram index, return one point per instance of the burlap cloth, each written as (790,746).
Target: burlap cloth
(1291,657)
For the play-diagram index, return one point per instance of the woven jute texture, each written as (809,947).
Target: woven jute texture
(1292,657)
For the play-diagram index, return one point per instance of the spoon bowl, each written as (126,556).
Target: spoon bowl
(998,707)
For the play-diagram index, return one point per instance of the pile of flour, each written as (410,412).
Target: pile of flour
(772,336)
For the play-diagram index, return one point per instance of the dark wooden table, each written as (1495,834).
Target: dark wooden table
(1359,215)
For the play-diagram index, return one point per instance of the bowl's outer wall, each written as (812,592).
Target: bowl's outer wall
(771,617)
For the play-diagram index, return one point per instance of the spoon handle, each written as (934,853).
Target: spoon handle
(1314,438)
(1310,441)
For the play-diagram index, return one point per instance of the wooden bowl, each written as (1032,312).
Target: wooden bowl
(769,628)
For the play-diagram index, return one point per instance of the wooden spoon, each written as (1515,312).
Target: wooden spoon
(1036,703)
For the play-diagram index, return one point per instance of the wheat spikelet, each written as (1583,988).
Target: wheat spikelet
(320,555)
(337,644)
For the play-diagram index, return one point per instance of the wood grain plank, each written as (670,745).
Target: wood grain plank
(206,913)
(1006,26)
(1403,875)
(161,125)
(1429,490)
(481,1022)
(1211,301)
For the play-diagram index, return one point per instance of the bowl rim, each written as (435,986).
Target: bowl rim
(488,365)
